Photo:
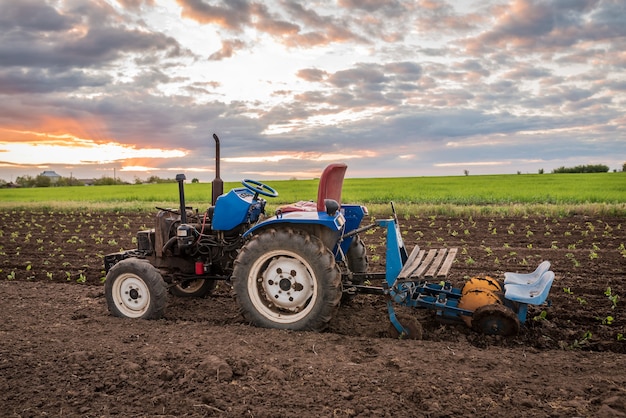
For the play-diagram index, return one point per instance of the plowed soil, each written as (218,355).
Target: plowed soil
(63,354)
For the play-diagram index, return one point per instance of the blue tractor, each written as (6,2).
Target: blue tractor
(288,271)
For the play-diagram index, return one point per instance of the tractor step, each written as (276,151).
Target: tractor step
(433,263)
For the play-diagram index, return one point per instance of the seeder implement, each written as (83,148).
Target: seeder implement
(482,303)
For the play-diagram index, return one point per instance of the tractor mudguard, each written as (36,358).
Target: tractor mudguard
(354,215)
(335,222)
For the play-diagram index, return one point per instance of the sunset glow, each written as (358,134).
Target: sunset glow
(393,88)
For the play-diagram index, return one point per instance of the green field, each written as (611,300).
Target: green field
(603,193)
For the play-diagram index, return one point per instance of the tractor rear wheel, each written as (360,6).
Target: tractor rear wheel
(195,288)
(495,319)
(134,288)
(287,279)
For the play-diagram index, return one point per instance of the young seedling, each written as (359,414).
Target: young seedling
(613,298)
(583,341)
(541,317)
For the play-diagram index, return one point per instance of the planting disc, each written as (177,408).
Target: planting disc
(495,320)
(475,298)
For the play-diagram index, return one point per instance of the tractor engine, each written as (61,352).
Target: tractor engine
(191,247)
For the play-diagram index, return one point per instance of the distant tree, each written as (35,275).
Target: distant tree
(25,181)
(519,172)
(107,181)
(42,181)
(541,171)
(138,180)
(69,181)
(624,167)
(466,172)
(195,180)
(157,179)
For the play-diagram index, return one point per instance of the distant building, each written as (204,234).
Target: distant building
(54,177)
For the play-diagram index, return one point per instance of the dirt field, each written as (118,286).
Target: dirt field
(63,354)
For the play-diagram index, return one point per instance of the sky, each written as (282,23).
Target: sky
(392,88)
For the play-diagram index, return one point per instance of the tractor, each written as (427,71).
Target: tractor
(288,271)
(293,269)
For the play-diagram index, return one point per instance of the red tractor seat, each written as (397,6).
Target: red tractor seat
(331,183)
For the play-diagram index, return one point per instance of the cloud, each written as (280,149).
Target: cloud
(228,49)
(233,15)
(542,26)
(88,35)
(407,86)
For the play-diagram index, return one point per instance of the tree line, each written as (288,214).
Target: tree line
(593,168)
(45,181)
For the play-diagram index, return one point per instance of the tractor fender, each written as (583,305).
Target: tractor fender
(327,227)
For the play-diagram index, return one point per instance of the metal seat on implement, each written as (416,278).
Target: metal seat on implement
(331,183)
(527,278)
(534,293)
(422,264)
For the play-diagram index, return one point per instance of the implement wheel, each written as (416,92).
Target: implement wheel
(135,288)
(287,279)
(495,319)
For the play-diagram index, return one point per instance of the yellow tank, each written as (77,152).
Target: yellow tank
(479,292)
(479,282)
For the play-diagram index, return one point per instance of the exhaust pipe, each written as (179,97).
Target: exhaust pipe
(180,178)
(217,187)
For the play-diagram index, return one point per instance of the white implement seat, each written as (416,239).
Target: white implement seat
(534,293)
(527,278)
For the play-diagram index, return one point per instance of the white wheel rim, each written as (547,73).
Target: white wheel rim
(282,287)
(131,295)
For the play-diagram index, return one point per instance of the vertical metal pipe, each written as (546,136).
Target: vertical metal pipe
(217,187)
(180,178)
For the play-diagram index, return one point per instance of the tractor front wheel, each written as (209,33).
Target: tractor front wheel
(134,288)
(287,279)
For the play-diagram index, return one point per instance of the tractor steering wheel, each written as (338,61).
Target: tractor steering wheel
(258,188)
